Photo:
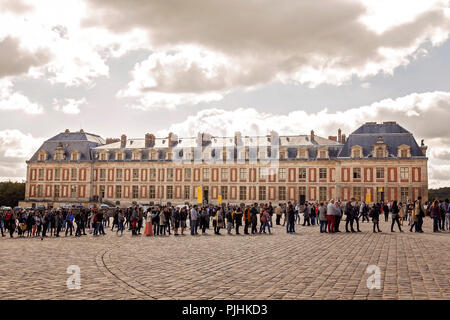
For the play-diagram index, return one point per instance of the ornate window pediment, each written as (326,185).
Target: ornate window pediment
(356,151)
(404,151)
(136,155)
(42,156)
(302,153)
(322,153)
(75,155)
(379,149)
(60,153)
(120,155)
(103,155)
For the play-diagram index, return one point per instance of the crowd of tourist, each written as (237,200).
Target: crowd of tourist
(255,219)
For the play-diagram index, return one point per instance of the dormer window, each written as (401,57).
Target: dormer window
(379,149)
(169,155)
(322,153)
(42,156)
(120,156)
(356,151)
(302,153)
(103,156)
(136,155)
(74,156)
(379,152)
(153,155)
(60,154)
(404,151)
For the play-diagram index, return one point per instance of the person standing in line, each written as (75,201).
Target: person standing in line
(238,219)
(58,222)
(338,216)
(120,222)
(349,218)
(386,212)
(356,214)
(183,217)
(401,213)
(69,223)
(229,219)
(247,219)
(218,221)
(278,213)
(331,215)
(395,216)
(447,214)
(194,219)
(115,219)
(323,218)
(264,219)
(254,213)
(442,218)
(291,218)
(435,214)
(46,222)
(307,214)
(30,224)
(162,223)
(420,214)
(38,220)
(168,217)
(375,215)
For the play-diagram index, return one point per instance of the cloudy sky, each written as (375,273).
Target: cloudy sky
(136,66)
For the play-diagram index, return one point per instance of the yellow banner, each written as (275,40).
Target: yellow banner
(368,197)
(199,195)
(219,199)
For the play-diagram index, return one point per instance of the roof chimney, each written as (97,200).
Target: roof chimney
(81,131)
(343,139)
(237,138)
(339,136)
(111,140)
(149,140)
(67,131)
(312,135)
(173,139)
(123,141)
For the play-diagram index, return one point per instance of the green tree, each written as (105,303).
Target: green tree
(11,193)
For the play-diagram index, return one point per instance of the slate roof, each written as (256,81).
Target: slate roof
(292,143)
(80,141)
(393,136)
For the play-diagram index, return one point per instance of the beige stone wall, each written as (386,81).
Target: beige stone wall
(334,188)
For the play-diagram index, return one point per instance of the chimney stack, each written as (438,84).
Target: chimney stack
(343,139)
(111,140)
(312,135)
(67,131)
(237,138)
(123,141)
(173,139)
(149,140)
(339,136)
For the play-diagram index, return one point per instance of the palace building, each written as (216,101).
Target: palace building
(377,162)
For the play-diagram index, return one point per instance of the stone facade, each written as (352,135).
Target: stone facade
(376,162)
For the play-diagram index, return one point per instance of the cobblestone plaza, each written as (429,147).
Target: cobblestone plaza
(309,265)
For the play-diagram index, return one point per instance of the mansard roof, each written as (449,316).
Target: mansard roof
(393,136)
(70,141)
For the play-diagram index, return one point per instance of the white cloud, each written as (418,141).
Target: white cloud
(15,148)
(422,114)
(301,42)
(55,44)
(12,100)
(68,105)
